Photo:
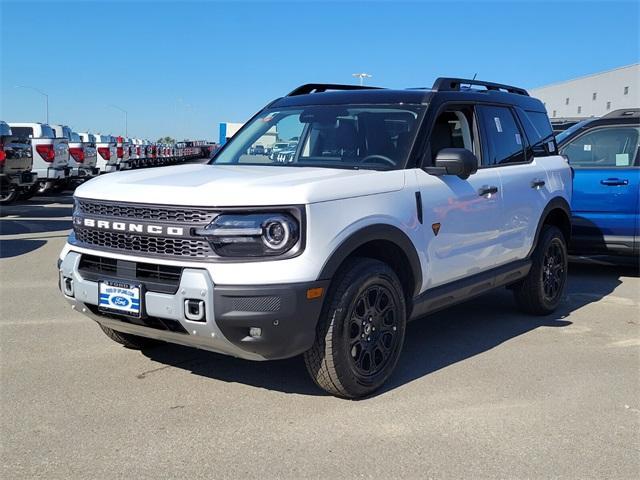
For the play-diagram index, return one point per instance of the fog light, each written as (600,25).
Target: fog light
(67,286)
(194,310)
(255,332)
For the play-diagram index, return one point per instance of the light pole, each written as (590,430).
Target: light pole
(41,93)
(361,76)
(126,126)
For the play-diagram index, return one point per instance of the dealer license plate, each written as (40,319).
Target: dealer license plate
(119,297)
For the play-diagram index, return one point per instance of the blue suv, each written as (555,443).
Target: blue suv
(606,189)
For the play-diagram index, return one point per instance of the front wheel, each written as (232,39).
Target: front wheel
(542,289)
(360,332)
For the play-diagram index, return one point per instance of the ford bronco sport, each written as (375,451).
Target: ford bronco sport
(396,203)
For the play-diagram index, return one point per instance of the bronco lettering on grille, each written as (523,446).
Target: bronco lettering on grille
(130,227)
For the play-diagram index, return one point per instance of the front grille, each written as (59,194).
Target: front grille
(154,278)
(158,273)
(160,214)
(100,265)
(145,244)
(186,219)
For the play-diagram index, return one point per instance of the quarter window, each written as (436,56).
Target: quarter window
(505,142)
(604,147)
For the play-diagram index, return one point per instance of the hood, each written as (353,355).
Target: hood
(239,185)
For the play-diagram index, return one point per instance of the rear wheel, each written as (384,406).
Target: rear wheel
(542,289)
(8,195)
(128,340)
(360,332)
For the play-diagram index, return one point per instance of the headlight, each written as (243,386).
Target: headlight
(252,234)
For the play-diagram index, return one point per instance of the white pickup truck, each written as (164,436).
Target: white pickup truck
(122,152)
(107,153)
(16,161)
(81,166)
(50,154)
(83,157)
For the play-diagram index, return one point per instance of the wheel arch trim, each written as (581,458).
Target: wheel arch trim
(556,203)
(371,233)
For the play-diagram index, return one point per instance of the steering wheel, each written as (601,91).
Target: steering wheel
(378,157)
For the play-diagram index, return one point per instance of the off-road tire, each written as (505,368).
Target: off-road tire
(129,340)
(530,292)
(330,361)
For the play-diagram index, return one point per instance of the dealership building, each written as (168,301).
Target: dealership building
(228,130)
(592,95)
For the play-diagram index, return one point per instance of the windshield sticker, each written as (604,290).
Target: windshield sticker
(498,124)
(587,148)
(622,159)
(518,139)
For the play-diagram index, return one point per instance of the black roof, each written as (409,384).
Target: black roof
(452,89)
(624,113)
(628,116)
(355,97)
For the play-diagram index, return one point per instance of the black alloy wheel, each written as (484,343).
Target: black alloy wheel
(373,331)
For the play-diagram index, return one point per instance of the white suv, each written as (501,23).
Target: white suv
(395,203)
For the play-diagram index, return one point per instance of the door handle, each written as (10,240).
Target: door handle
(612,182)
(537,183)
(486,190)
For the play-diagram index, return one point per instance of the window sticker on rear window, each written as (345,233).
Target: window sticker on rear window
(518,139)
(587,148)
(622,159)
(498,124)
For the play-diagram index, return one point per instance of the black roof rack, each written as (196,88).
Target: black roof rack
(323,87)
(623,113)
(444,84)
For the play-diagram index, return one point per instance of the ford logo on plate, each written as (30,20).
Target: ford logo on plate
(120,301)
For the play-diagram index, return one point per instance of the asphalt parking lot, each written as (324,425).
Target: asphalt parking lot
(481,391)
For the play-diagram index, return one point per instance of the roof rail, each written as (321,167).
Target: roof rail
(623,113)
(323,87)
(444,84)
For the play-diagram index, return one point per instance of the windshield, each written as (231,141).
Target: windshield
(374,137)
(569,131)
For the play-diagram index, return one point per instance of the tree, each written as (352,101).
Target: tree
(166,140)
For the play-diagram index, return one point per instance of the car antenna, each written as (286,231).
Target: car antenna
(474,76)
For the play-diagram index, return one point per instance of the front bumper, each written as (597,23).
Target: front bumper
(286,318)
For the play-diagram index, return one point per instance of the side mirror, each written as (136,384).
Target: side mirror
(454,161)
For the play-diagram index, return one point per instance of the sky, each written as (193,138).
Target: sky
(181,68)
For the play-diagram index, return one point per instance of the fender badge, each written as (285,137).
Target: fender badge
(436,228)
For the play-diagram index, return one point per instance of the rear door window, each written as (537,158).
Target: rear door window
(607,147)
(503,139)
